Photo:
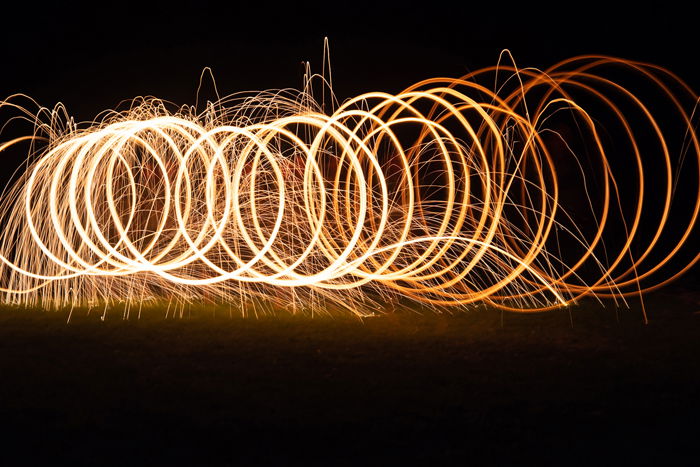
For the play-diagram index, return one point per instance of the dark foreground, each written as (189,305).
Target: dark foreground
(395,389)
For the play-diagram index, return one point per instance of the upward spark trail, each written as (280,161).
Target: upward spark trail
(452,192)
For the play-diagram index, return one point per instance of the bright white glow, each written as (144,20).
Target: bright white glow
(449,193)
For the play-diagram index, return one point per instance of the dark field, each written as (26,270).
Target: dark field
(474,388)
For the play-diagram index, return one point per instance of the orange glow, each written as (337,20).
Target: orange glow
(452,192)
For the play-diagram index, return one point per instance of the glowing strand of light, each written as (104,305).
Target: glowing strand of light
(448,194)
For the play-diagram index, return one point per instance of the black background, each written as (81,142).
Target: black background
(178,392)
(91,56)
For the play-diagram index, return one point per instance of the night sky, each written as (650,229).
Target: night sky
(92,56)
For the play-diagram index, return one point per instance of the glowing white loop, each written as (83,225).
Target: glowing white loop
(447,193)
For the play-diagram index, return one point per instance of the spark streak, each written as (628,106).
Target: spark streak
(519,188)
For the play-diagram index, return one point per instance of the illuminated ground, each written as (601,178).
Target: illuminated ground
(216,391)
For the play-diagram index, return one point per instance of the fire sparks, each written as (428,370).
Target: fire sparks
(501,187)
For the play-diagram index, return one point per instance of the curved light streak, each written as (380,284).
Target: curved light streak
(449,193)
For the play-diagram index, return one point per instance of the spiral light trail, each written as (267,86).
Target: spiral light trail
(518,188)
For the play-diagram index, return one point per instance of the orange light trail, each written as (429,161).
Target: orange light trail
(522,189)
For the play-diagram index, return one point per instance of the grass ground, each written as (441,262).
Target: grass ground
(476,387)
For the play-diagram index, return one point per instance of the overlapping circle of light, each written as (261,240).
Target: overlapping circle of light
(449,193)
